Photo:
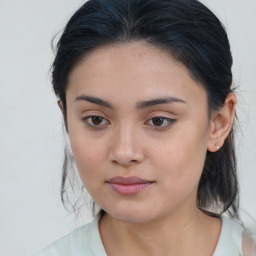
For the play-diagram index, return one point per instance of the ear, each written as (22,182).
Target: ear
(221,123)
(60,104)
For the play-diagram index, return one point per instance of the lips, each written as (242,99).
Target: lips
(128,185)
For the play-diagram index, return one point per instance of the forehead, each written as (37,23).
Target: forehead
(133,70)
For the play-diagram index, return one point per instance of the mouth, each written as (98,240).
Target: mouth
(128,185)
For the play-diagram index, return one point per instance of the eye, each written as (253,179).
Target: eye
(95,121)
(161,122)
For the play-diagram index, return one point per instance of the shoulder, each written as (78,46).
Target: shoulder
(84,240)
(249,244)
(231,237)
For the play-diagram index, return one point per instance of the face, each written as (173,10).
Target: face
(139,129)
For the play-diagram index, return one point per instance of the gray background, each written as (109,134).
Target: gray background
(31,134)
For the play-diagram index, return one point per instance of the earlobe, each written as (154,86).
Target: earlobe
(221,123)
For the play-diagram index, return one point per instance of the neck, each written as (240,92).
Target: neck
(178,234)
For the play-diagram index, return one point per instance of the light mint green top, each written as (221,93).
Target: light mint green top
(86,241)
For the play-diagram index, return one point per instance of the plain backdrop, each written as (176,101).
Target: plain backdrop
(31,133)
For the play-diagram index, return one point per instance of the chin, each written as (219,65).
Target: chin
(131,215)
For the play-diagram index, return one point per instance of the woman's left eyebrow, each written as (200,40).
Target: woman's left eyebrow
(153,102)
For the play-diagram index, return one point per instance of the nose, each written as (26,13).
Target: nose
(125,147)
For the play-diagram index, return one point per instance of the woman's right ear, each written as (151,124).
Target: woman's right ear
(60,104)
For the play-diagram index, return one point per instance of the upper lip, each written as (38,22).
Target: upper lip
(128,180)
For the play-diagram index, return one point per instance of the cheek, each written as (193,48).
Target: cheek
(86,153)
(89,157)
(181,160)
(85,147)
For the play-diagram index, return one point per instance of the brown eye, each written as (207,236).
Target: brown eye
(95,121)
(157,121)
(161,122)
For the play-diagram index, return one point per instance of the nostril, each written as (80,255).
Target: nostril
(123,162)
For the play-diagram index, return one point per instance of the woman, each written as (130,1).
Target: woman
(145,88)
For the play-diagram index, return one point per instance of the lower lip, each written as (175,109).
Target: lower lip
(129,189)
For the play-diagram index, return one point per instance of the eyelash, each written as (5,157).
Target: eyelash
(169,121)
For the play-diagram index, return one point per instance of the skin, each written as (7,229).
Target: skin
(128,141)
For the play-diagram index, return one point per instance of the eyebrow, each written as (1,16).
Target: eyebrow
(139,105)
(94,100)
(158,101)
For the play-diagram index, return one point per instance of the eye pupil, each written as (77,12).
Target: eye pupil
(96,120)
(157,121)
